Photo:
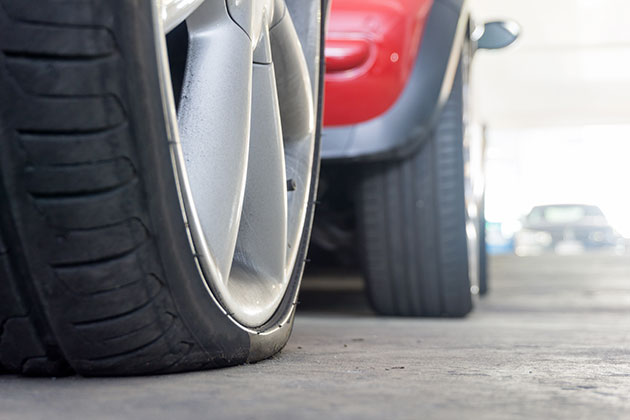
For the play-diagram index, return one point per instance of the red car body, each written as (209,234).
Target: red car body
(390,67)
(371,48)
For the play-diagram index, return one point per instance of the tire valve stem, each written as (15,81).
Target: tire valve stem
(291,185)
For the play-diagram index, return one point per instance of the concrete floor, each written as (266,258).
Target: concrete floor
(552,341)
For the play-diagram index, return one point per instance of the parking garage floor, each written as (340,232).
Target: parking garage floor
(551,341)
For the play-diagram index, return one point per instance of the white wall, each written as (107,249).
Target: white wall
(557,106)
(570,66)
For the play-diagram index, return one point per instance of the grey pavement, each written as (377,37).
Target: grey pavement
(551,341)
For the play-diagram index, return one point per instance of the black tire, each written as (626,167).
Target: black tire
(412,225)
(96,271)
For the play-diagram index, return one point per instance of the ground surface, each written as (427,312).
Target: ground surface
(552,341)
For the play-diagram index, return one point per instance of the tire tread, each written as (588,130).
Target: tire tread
(99,286)
(412,226)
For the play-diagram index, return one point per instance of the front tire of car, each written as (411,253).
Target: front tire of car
(125,248)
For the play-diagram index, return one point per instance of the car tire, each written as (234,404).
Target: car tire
(412,224)
(98,272)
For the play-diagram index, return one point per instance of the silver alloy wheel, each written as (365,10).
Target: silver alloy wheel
(242,146)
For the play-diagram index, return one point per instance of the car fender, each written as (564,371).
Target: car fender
(405,125)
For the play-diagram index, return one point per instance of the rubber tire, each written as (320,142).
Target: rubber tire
(412,225)
(96,272)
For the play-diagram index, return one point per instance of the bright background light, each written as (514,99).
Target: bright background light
(557,107)
(587,164)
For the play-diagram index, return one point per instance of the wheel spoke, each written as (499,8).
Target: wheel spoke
(175,12)
(298,122)
(214,119)
(294,84)
(261,248)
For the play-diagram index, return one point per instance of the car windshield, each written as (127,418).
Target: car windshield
(563,214)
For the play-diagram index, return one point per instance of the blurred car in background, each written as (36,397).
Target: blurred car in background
(396,178)
(566,229)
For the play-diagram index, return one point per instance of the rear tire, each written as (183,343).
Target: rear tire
(97,274)
(412,225)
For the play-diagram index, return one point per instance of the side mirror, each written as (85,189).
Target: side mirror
(496,35)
